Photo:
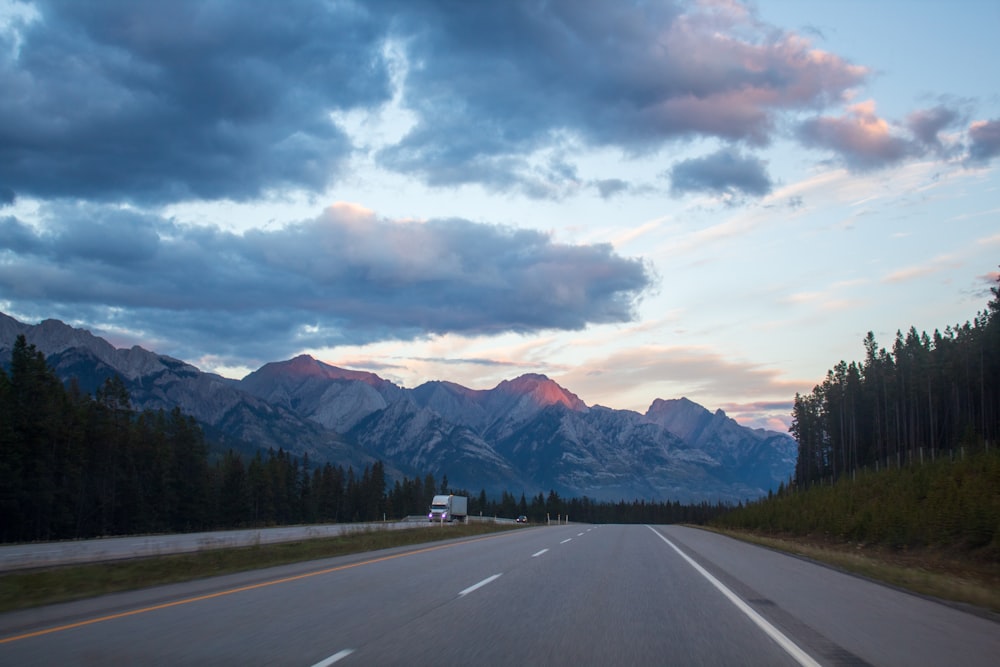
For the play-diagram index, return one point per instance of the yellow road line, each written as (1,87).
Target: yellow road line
(231,591)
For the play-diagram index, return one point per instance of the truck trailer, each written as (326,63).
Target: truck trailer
(449,508)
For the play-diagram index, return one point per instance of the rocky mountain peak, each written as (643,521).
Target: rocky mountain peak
(681,416)
(304,366)
(10,328)
(437,390)
(541,390)
(57,336)
(53,337)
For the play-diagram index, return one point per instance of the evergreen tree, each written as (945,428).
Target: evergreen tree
(234,491)
(927,397)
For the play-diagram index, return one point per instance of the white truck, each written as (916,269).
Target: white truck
(449,508)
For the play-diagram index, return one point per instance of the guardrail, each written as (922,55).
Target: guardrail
(46,554)
(416,518)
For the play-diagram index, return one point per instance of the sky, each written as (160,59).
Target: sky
(653,199)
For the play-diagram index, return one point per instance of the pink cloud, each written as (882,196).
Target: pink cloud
(862,139)
(770,415)
(716,82)
(698,373)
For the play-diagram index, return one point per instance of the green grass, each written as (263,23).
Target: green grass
(20,590)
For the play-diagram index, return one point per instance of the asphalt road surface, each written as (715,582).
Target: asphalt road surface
(566,595)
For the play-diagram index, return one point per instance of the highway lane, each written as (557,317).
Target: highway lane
(844,616)
(607,596)
(556,596)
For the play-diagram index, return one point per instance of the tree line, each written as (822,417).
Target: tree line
(929,397)
(552,507)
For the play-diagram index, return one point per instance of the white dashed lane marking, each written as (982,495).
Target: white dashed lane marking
(480,584)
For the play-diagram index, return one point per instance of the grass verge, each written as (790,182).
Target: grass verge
(931,572)
(21,590)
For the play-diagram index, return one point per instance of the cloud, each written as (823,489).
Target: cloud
(862,140)
(17,237)
(984,141)
(927,268)
(498,82)
(770,415)
(148,101)
(927,124)
(988,283)
(610,187)
(703,373)
(726,173)
(466,361)
(345,276)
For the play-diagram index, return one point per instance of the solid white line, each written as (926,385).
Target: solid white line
(480,584)
(339,655)
(568,539)
(539,553)
(790,647)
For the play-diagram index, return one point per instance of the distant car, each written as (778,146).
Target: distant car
(522,519)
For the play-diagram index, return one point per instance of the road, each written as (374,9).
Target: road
(566,595)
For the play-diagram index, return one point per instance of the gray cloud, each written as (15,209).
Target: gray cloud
(153,101)
(725,172)
(927,124)
(504,79)
(109,236)
(984,141)
(476,361)
(344,277)
(16,237)
(610,187)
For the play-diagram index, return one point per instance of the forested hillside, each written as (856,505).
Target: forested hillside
(949,505)
(900,450)
(930,396)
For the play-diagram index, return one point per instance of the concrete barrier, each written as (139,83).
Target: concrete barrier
(47,554)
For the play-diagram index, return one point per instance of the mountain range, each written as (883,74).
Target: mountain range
(526,435)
